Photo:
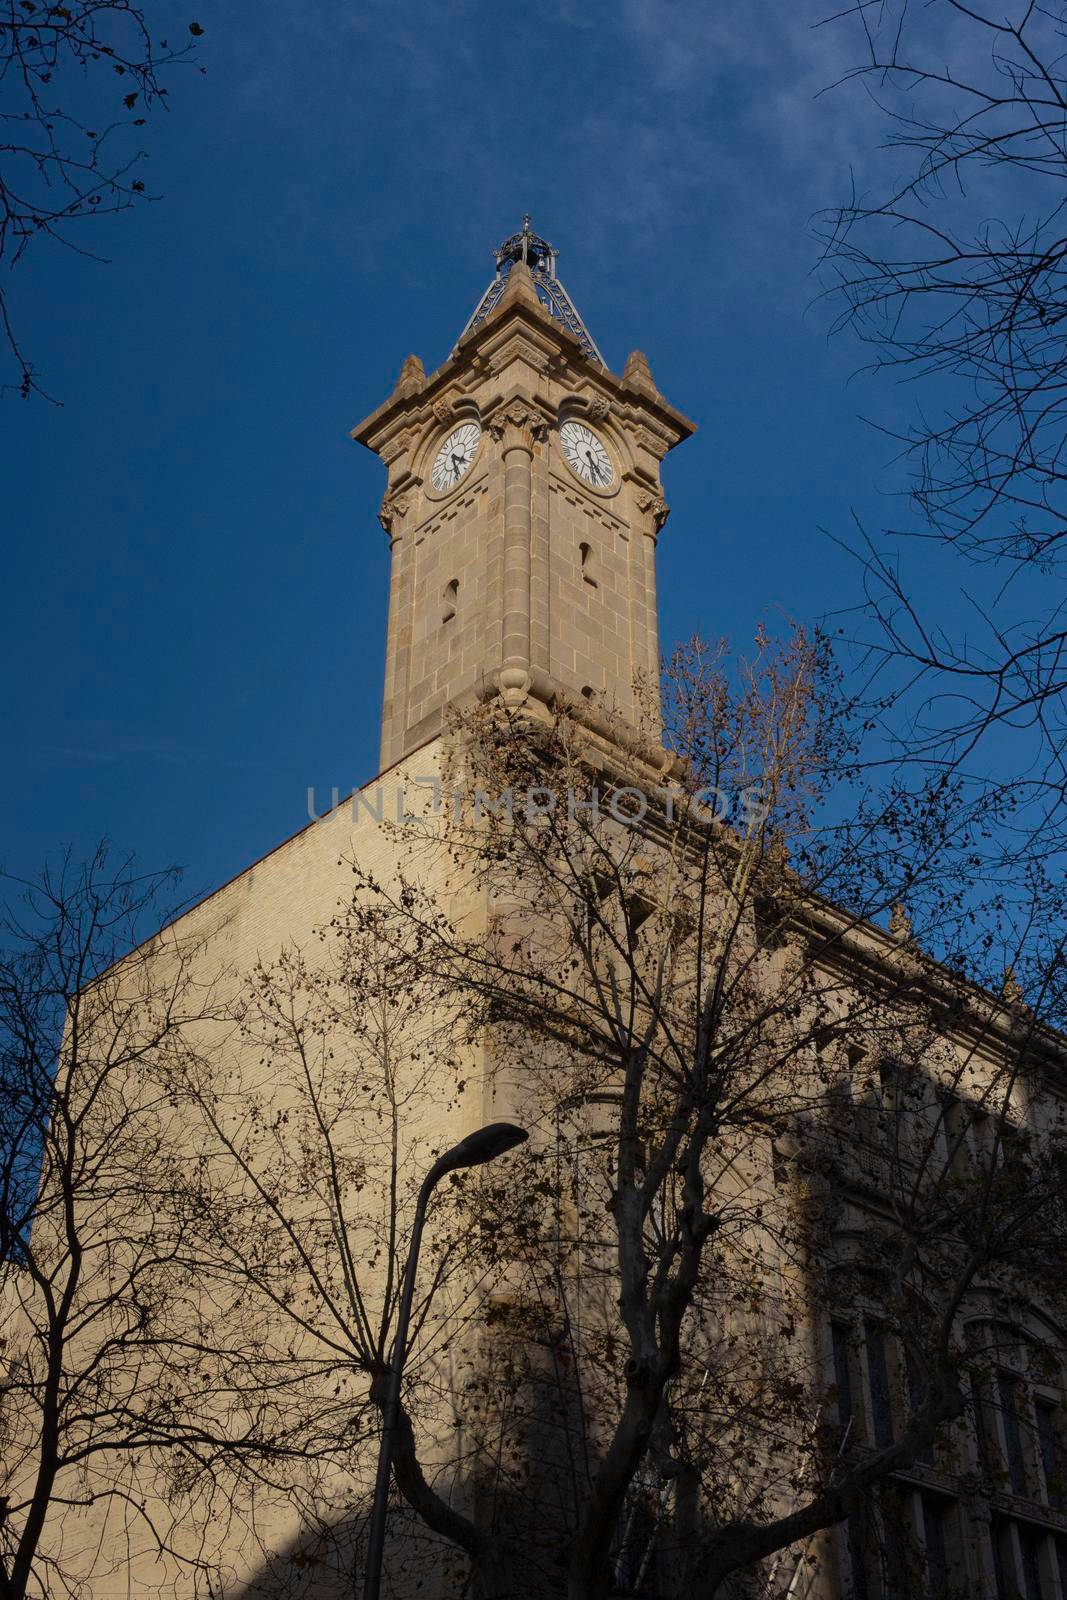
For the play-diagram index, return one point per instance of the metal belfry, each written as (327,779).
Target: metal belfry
(540,257)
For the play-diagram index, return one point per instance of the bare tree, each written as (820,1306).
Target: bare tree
(77,81)
(951,269)
(100,1309)
(625,1385)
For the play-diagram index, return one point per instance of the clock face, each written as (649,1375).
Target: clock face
(585,454)
(453,459)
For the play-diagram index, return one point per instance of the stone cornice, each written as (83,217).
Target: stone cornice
(520,333)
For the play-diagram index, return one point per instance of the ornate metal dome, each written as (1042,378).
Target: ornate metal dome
(540,257)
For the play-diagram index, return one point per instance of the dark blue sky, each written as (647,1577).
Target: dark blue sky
(195,599)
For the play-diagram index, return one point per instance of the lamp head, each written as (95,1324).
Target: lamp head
(478,1148)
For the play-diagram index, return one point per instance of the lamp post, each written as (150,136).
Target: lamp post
(473,1151)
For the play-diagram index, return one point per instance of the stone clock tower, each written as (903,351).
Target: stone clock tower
(522,509)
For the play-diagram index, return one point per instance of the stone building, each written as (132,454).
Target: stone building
(523,507)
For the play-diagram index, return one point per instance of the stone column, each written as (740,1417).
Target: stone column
(392,517)
(516,428)
(654,511)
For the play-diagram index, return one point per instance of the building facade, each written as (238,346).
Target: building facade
(523,506)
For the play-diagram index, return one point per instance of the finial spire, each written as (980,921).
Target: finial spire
(412,377)
(528,250)
(637,373)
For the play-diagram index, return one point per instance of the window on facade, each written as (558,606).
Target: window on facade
(587,1148)
(1020,1443)
(857,1560)
(1018,1422)
(587,556)
(901,1556)
(906,1111)
(842,1351)
(917,1388)
(840,1108)
(450,600)
(771,927)
(1009,1391)
(888,1084)
(939,1540)
(1029,1561)
(997,1137)
(858,1579)
(905,1544)
(1001,1567)
(982,1408)
(955,1121)
(878,1384)
(779,1165)
(1025,1559)
(1047,1419)
(1030,1551)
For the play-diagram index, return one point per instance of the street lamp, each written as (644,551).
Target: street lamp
(473,1151)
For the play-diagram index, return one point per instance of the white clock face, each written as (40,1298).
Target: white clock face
(454,458)
(585,454)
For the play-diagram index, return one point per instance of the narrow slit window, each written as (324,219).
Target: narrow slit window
(841,1337)
(450,599)
(588,557)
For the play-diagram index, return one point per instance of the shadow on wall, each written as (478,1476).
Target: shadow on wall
(329,1563)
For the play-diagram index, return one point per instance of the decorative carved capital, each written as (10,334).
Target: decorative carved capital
(598,408)
(656,507)
(443,408)
(393,509)
(517,426)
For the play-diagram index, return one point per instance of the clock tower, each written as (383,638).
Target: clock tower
(522,510)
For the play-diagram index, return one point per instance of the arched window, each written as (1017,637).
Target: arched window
(450,600)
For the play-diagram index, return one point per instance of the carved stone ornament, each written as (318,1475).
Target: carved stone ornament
(443,408)
(395,447)
(899,923)
(517,426)
(518,349)
(656,507)
(392,509)
(598,408)
(657,444)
